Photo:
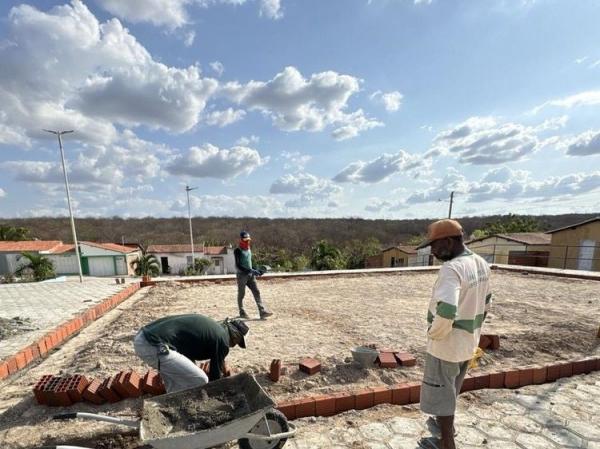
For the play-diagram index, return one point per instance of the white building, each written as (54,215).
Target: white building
(174,259)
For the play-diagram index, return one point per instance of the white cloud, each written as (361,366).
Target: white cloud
(247,140)
(295,160)
(381,168)
(295,103)
(587,98)
(482,140)
(210,161)
(271,9)
(2,193)
(189,37)
(217,67)
(377,205)
(585,144)
(169,13)
(390,100)
(311,189)
(581,60)
(224,118)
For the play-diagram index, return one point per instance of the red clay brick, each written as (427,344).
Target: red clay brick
(511,379)
(324,405)
(11,363)
(590,365)
(400,394)
(35,351)
(484,341)
(275,370)
(497,380)
(344,402)
(77,386)
(468,384)
(59,396)
(415,392)
(28,355)
(363,399)
(495,342)
(107,390)
(539,375)
(481,381)
(288,409)
(579,367)
(3,370)
(552,372)
(38,389)
(382,395)
(405,359)
(566,369)
(525,377)
(20,358)
(305,407)
(597,363)
(152,383)
(42,347)
(386,360)
(310,366)
(91,393)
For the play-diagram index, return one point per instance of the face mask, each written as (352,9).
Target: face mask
(245,244)
(444,255)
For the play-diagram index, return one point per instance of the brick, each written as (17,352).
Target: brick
(539,375)
(77,386)
(35,351)
(415,392)
(21,361)
(484,341)
(468,384)
(597,363)
(38,389)
(288,409)
(497,380)
(59,396)
(363,399)
(344,402)
(495,342)
(382,395)
(3,370)
(11,363)
(386,360)
(566,369)
(552,372)
(525,377)
(310,366)
(590,365)
(400,394)
(107,390)
(324,405)
(28,353)
(405,359)
(152,383)
(481,381)
(127,384)
(91,393)
(511,379)
(305,407)
(275,370)
(42,347)
(579,367)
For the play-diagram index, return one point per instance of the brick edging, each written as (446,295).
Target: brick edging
(409,393)
(40,348)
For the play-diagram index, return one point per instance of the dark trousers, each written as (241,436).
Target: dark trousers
(248,280)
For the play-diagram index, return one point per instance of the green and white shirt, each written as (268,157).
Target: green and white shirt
(460,301)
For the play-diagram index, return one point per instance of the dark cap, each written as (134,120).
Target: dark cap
(245,235)
(239,327)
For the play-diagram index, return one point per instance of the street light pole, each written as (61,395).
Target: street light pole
(62,158)
(188,189)
(451,201)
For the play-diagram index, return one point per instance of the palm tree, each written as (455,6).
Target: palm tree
(146,265)
(41,267)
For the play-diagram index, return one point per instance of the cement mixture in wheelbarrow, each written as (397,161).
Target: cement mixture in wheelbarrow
(193,414)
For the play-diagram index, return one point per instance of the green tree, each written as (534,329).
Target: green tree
(200,266)
(146,264)
(40,266)
(415,240)
(507,225)
(357,251)
(13,233)
(325,256)
(300,263)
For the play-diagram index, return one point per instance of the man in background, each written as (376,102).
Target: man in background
(246,277)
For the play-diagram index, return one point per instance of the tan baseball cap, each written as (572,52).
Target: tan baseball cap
(440,230)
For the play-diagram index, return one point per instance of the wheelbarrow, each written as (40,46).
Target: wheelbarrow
(259,426)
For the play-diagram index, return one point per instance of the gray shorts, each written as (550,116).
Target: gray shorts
(441,385)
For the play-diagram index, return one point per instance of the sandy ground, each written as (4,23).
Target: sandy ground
(540,319)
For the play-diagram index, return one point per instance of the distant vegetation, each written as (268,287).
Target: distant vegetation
(284,244)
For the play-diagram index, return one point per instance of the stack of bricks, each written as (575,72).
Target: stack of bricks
(389,358)
(68,390)
(489,341)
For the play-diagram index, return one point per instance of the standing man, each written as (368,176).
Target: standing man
(246,276)
(172,344)
(459,304)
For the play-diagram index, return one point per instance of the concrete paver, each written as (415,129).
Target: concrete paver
(559,415)
(49,304)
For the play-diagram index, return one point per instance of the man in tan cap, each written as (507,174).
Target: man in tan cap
(459,304)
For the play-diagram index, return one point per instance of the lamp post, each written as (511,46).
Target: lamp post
(188,189)
(62,158)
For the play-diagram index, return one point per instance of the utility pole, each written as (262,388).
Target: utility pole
(188,189)
(451,201)
(62,158)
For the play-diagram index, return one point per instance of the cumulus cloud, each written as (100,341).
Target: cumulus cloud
(483,140)
(217,67)
(587,98)
(2,193)
(188,39)
(585,144)
(271,9)
(311,189)
(295,160)
(169,13)
(377,205)
(210,161)
(247,140)
(381,168)
(390,100)
(296,103)
(224,118)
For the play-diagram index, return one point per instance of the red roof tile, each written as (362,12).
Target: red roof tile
(182,248)
(112,247)
(28,245)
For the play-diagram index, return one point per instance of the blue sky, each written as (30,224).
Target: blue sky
(301,108)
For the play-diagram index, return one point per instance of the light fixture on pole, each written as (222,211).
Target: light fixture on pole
(188,189)
(62,158)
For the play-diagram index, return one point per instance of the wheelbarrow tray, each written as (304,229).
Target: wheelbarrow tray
(258,403)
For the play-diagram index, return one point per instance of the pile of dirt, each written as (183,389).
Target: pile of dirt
(193,414)
(10,327)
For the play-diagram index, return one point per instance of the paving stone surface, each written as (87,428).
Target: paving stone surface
(49,304)
(563,414)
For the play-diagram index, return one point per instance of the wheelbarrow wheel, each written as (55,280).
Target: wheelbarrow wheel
(277,424)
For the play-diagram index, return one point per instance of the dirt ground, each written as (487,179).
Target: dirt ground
(540,319)
(15,326)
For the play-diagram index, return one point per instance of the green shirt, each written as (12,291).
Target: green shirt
(195,336)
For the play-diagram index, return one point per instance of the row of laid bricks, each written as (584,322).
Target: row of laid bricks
(403,394)
(63,332)
(67,390)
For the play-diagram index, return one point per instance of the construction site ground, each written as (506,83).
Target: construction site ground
(540,319)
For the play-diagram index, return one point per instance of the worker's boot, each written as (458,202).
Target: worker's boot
(244,315)
(264,314)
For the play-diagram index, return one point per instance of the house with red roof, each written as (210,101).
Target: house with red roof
(175,258)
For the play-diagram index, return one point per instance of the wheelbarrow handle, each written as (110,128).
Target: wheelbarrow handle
(93,416)
(64,447)
(274,436)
